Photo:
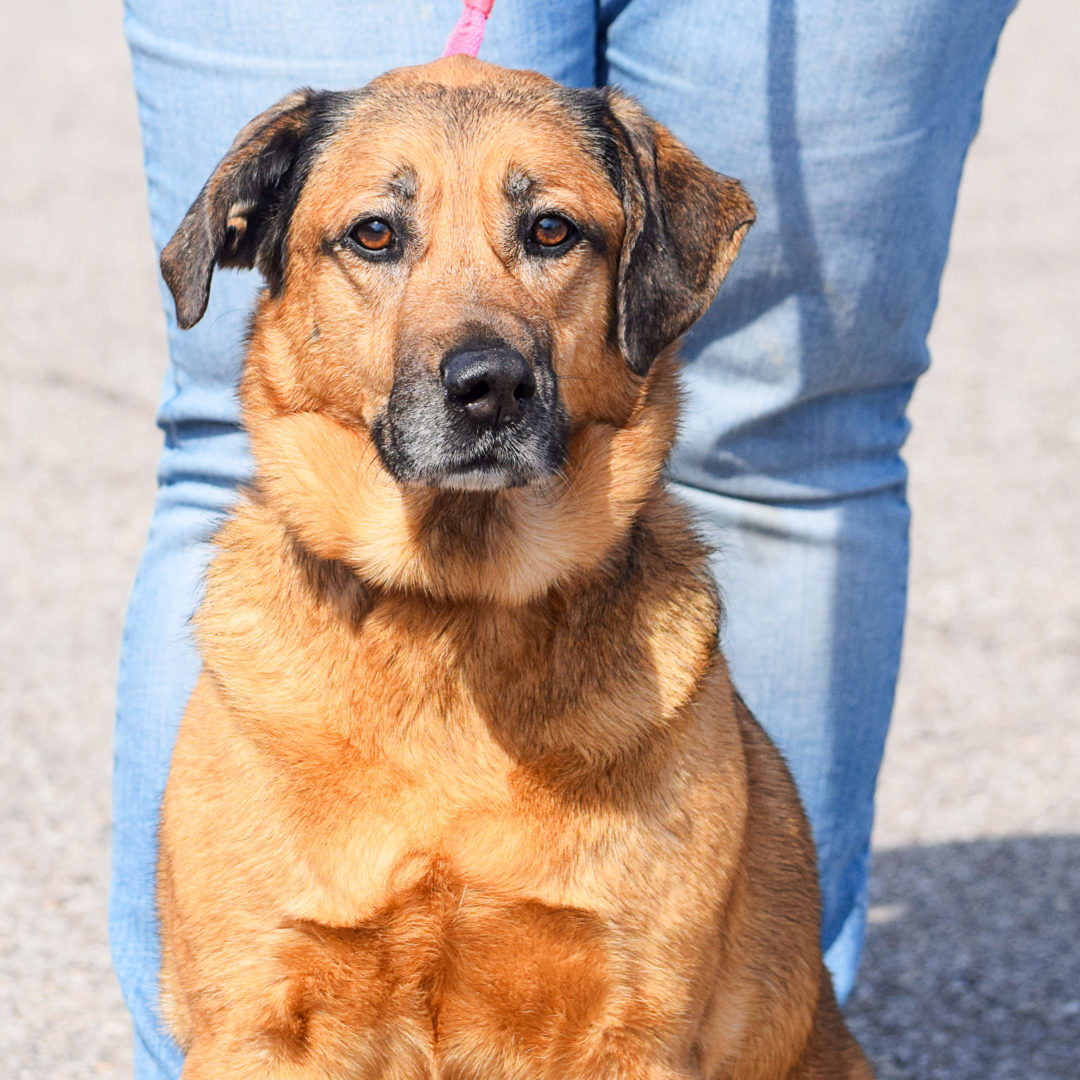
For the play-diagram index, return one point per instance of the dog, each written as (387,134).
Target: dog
(464,789)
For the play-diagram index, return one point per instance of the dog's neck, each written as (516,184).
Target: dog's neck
(572,682)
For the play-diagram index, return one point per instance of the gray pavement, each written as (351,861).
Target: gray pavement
(972,970)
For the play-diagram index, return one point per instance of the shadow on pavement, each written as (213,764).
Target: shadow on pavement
(972,962)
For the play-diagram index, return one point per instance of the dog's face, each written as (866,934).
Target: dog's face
(469,270)
(458,261)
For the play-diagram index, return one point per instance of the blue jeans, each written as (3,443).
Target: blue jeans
(848,124)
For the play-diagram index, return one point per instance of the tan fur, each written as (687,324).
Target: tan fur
(464,789)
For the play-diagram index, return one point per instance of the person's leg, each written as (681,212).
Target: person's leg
(848,124)
(202,70)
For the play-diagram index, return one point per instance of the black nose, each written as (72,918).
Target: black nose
(491,385)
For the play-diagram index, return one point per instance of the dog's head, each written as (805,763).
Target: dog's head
(474,277)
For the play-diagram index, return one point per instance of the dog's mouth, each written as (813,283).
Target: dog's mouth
(434,455)
(483,473)
(479,480)
(431,436)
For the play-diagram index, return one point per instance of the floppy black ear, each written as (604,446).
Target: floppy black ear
(684,225)
(240,217)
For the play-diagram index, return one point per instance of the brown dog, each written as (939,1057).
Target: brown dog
(464,790)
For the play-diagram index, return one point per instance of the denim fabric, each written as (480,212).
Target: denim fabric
(848,124)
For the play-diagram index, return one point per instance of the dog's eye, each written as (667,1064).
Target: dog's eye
(373,234)
(552,232)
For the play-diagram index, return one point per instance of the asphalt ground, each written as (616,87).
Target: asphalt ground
(972,968)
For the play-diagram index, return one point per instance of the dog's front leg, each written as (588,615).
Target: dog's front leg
(401,1051)
(307,1002)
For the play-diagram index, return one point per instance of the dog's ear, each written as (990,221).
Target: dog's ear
(240,217)
(684,225)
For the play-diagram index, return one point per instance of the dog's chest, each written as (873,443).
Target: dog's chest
(465,922)
(439,796)
(383,750)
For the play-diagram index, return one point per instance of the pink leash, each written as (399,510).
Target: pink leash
(469,32)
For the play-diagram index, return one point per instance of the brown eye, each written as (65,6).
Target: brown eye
(372,234)
(551,230)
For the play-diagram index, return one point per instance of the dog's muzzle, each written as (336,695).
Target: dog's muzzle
(487,418)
